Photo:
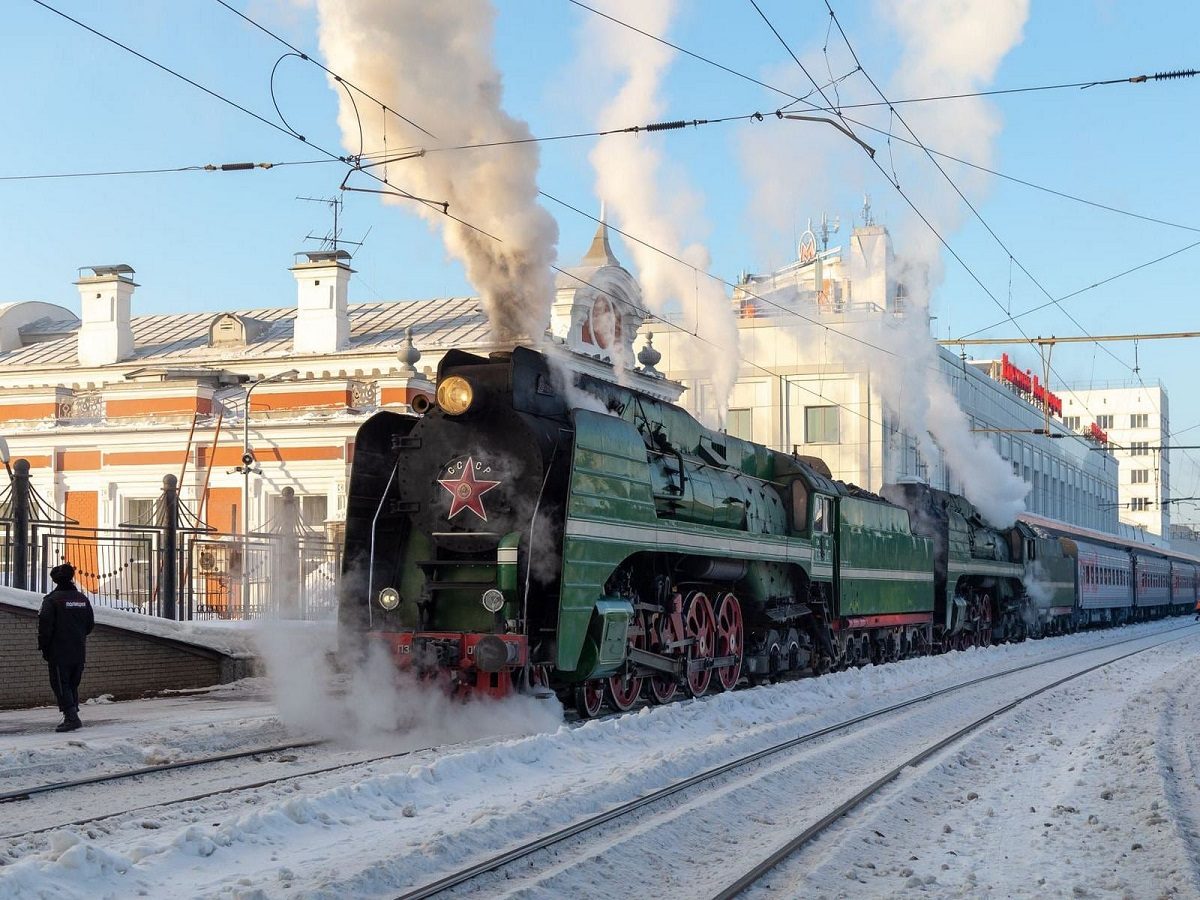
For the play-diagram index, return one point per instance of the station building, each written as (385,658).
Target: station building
(104,402)
(799,390)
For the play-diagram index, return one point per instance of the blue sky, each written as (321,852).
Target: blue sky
(207,241)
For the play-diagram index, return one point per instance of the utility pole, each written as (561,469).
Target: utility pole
(249,464)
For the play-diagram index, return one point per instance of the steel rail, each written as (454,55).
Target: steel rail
(228,790)
(27,793)
(502,859)
(823,824)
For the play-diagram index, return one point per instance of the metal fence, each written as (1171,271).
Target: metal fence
(123,568)
(175,568)
(281,575)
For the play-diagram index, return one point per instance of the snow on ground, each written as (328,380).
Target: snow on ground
(136,733)
(374,831)
(1090,790)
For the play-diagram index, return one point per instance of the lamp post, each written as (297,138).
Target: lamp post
(247,466)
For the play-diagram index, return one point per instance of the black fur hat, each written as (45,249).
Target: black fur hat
(64,574)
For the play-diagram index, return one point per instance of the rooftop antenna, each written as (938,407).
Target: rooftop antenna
(828,228)
(331,239)
(867,217)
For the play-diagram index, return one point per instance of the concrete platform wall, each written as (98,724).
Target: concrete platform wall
(120,662)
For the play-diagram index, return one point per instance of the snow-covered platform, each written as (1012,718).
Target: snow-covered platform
(129,655)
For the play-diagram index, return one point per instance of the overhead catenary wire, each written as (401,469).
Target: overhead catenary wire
(392,189)
(349,161)
(893,180)
(353,167)
(793,98)
(1133,79)
(895,184)
(971,206)
(304,56)
(207,167)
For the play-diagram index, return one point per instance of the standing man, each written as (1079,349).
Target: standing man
(64,623)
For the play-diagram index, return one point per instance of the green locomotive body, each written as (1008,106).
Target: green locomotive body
(513,539)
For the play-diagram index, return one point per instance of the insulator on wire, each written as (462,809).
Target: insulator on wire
(1177,73)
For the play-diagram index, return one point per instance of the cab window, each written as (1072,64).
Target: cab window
(822,515)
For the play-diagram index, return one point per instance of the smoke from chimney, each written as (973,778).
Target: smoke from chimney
(433,63)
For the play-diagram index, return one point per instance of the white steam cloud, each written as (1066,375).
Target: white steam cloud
(373,703)
(950,46)
(947,47)
(651,200)
(433,63)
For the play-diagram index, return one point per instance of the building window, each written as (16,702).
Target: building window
(313,509)
(139,511)
(1139,448)
(1139,476)
(1139,504)
(1072,422)
(739,424)
(820,425)
(1105,422)
(1139,420)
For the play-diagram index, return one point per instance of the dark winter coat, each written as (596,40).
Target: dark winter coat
(64,623)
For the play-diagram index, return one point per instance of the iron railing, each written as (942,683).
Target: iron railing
(176,567)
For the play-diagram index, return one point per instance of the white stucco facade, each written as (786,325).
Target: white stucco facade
(801,389)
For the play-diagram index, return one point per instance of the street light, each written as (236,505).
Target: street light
(248,466)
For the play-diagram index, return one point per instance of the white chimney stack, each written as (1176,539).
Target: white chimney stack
(106,332)
(322,319)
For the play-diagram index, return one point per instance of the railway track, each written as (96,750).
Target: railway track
(859,799)
(621,811)
(27,793)
(14,796)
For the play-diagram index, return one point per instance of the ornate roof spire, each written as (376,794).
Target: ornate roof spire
(600,253)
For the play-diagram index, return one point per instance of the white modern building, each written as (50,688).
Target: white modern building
(805,387)
(1136,419)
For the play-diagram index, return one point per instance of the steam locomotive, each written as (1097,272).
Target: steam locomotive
(516,537)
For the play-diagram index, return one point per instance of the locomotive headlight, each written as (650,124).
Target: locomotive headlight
(389,598)
(454,395)
(493,600)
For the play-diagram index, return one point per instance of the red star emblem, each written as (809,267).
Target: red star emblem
(467,491)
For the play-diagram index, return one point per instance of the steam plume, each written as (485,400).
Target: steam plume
(433,62)
(651,200)
(947,47)
(952,47)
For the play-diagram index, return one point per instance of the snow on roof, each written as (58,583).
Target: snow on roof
(375,326)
